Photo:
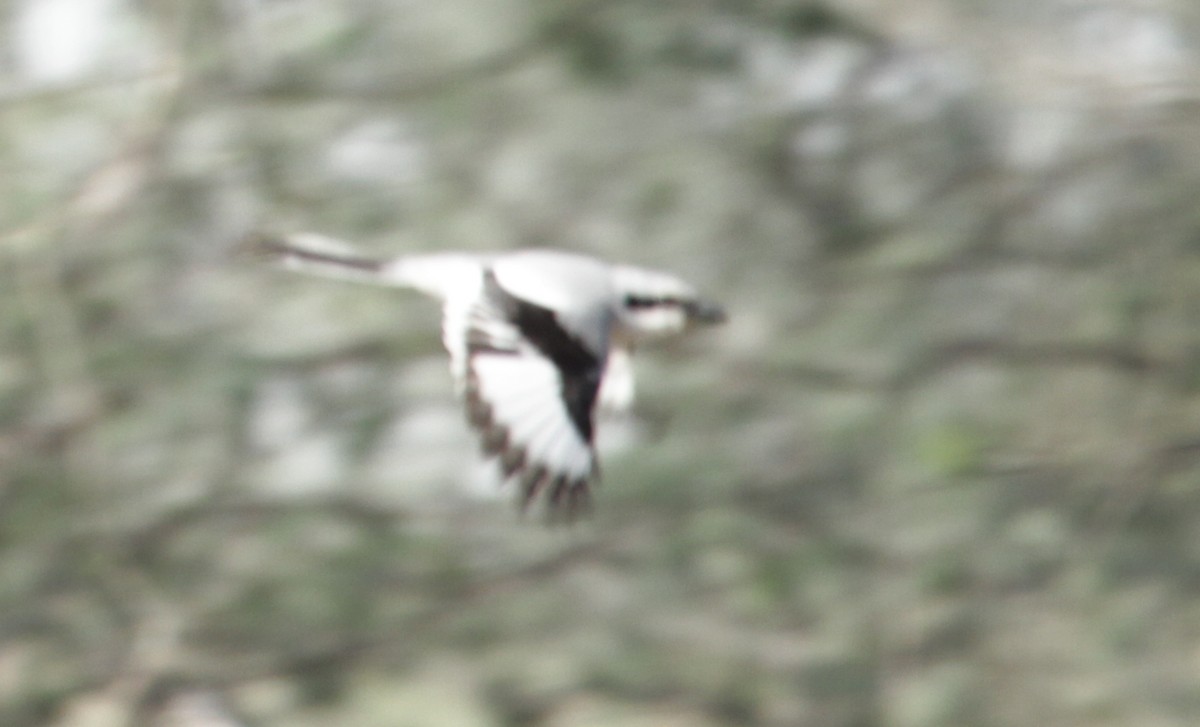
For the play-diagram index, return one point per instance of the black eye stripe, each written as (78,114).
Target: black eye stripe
(641,301)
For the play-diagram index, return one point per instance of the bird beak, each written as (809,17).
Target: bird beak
(704,312)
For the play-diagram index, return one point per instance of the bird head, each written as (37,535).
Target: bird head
(652,304)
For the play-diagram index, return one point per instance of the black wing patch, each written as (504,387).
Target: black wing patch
(503,326)
(580,369)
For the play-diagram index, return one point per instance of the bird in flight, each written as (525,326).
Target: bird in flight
(538,339)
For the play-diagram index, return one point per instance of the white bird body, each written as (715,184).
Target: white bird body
(538,340)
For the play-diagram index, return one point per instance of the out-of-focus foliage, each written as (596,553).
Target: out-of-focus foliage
(940,468)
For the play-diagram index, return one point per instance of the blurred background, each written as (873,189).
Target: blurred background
(940,467)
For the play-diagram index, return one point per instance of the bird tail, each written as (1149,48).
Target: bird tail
(443,275)
(315,254)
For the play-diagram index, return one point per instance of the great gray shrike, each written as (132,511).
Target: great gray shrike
(538,340)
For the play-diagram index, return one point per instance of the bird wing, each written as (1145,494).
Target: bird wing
(530,389)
